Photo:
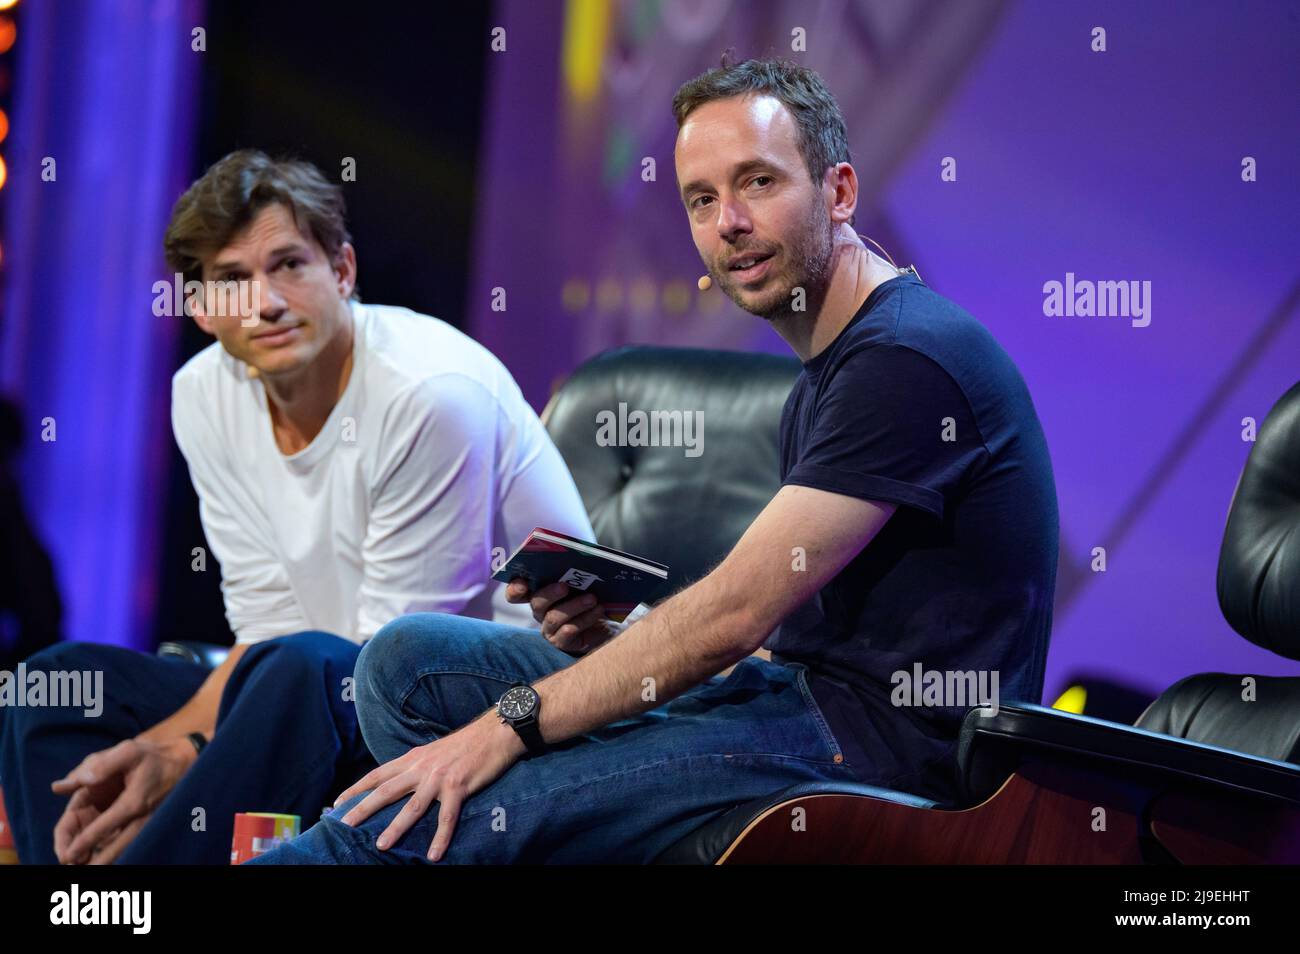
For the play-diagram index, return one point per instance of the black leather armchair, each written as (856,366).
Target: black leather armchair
(1203,777)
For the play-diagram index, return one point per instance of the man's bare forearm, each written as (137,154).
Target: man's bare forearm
(200,713)
(682,642)
(719,620)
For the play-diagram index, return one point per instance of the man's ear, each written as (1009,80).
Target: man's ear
(841,188)
(345,269)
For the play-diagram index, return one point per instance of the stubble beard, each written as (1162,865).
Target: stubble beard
(810,267)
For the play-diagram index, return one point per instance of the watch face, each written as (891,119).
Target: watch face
(517,703)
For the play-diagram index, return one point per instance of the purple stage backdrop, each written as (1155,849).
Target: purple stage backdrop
(102,138)
(999,150)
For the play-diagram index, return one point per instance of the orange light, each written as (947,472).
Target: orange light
(8,33)
(4,125)
(4,172)
(8,4)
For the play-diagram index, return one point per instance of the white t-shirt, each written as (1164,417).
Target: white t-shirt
(430,460)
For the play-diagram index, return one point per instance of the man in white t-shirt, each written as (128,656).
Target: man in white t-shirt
(354,463)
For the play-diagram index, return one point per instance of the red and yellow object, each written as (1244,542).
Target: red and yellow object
(259,832)
(8,850)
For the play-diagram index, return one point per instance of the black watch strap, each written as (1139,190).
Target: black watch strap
(527,728)
(531,733)
(198,739)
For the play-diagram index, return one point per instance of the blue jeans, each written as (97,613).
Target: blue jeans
(622,793)
(287,741)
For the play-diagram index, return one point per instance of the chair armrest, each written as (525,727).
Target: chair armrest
(989,748)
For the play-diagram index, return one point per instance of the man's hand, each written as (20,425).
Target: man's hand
(113,794)
(447,771)
(576,624)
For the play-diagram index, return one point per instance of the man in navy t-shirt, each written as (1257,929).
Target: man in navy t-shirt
(902,574)
(913,402)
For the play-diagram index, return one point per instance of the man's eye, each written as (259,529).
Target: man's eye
(695,203)
(759,180)
(291,263)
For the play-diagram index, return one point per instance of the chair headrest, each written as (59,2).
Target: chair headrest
(1259,563)
(685,504)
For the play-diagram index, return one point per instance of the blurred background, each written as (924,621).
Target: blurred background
(525,168)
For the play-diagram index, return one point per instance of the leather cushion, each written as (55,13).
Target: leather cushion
(1209,708)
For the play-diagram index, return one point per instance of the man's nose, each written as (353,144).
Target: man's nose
(268,303)
(733,220)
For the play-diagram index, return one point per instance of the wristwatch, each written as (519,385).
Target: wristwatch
(518,708)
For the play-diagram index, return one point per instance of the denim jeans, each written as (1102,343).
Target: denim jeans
(287,741)
(622,793)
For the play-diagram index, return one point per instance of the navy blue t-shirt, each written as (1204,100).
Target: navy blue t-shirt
(916,403)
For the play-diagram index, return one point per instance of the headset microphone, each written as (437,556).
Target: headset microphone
(705,283)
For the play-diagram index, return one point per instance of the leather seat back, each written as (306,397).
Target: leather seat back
(1259,562)
(1259,593)
(685,506)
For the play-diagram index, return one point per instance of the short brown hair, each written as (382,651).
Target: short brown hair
(823,140)
(233,190)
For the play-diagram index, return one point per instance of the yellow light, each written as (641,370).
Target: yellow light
(4,172)
(676,297)
(8,4)
(576,294)
(586,31)
(609,294)
(1072,700)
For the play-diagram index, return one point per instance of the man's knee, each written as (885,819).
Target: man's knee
(71,656)
(393,658)
(19,721)
(301,657)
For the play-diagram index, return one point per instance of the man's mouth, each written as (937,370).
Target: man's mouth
(748,268)
(279,336)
